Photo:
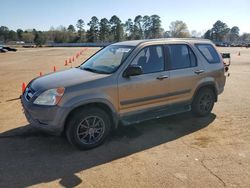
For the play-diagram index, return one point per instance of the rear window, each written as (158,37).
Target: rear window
(208,51)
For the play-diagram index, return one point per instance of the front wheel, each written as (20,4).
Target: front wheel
(203,102)
(88,128)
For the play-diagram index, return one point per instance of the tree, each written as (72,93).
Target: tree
(19,34)
(116,29)
(195,34)
(167,34)
(34,31)
(50,35)
(61,34)
(28,37)
(138,32)
(178,29)
(71,34)
(129,28)
(146,27)
(104,30)
(245,37)
(12,36)
(234,34)
(113,30)
(4,31)
(208,35)
(39,38)
(60,37)
(61,28)
(219,31)
(156,30)
(80,26)
(71,29)
(93,32)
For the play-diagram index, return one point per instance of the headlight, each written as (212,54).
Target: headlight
(50,97)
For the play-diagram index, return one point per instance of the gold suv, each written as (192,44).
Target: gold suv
(126,83)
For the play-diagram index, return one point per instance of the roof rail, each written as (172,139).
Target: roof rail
(180,39)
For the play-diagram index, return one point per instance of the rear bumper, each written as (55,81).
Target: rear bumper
(221,85)
(47,118)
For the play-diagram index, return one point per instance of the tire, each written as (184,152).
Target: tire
(88,128)
(203,102)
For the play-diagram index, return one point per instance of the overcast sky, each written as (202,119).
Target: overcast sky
(199,15)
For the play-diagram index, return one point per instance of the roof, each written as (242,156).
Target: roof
(166,40)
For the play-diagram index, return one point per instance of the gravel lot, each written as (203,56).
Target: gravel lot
(178,151)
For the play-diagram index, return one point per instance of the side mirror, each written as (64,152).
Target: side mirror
(132,70)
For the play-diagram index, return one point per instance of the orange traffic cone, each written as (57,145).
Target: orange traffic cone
(23,87)
(54,69)
(73,59)
(66,63)
(70,60)
(239,53)
(40,74)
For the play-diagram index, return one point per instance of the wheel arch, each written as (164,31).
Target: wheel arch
(102,105)
(210,85)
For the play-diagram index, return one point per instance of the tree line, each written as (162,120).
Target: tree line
(220,32)
(114,30)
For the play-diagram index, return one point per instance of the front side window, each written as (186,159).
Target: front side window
(107,60)
(151,59)
(208,51)
(181,56)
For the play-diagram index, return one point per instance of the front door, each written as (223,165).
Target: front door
(149,89)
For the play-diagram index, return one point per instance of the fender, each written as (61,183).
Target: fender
(82,100)
(206,84)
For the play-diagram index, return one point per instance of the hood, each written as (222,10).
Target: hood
(65,79)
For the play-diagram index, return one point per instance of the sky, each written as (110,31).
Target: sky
(199,15)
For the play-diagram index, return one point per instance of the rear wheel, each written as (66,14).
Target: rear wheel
(87,129)
(203,102)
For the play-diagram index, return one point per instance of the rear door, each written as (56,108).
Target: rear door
(185,72)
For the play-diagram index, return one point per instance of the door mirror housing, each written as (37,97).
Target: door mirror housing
(132,70)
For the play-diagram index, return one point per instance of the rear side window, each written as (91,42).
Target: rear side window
(181,56)
(208,51)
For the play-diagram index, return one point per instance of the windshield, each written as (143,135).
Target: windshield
(107,60)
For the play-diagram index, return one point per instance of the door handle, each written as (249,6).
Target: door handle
(162,77)
(198,71)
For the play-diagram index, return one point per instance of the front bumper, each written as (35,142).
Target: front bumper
(47,118)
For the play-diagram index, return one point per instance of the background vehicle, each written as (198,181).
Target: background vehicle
(2,50)
(6,49)
(127,82)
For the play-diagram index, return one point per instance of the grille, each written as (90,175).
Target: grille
(29,93)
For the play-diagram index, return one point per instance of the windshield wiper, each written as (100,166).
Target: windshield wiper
(93,70)
(88,69)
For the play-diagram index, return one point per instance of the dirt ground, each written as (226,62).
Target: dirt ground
(178,151)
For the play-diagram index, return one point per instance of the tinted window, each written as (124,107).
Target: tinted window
(151,59)
(181,56)
(208,52)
